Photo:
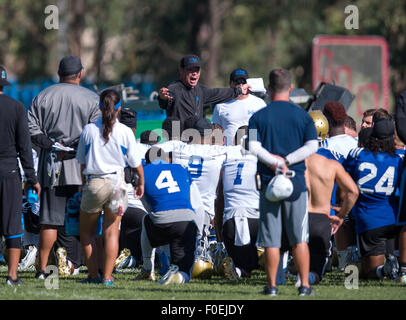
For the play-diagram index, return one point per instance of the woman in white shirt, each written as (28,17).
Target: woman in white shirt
(105,148)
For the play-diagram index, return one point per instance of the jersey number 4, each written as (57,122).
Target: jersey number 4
(165,180)
(388,177)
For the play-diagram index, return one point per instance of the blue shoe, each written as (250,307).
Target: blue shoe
(108,282)
(270,291)
(391,267)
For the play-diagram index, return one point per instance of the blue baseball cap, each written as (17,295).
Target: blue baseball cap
(238,74)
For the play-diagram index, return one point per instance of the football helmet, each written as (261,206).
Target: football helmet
(321,124)
(203,265)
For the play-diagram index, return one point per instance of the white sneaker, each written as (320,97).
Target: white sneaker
(29,259)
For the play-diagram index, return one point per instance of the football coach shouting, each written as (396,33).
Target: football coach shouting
(186,97)
(285,136)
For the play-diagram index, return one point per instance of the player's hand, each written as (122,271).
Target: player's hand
(284,168)
(164,94)
(37,187)
(139,191)
(245,89)
(336,223)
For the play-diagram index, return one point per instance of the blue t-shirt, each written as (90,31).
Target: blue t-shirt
(282,127)
(376,178)
(167,186)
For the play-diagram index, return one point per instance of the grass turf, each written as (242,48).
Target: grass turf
(216,288)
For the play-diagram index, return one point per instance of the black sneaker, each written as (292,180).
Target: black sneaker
(12,283)
(270,291)
(41,274)
(305,291)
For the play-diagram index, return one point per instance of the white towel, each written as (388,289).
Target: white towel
(242,232)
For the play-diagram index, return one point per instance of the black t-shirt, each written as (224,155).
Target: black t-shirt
(15,140)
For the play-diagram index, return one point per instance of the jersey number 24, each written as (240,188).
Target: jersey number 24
(388,177)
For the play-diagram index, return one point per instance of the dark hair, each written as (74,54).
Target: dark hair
(69,77)
(279,80)
(369,112)
(241,131)
(381,114)
(108,99)
(153,154)
(363,136)
(335,113)
(350,123)
(149,137)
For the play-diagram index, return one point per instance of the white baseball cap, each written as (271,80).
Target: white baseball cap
(279,188)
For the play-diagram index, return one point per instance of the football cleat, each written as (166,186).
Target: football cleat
(219,254)
(305,291)
(123,259)
(402,279)
(229,269)
(63,268)
(89,280)
(145,275)
(41,274)
(12,283)
(108,282)
(391,267)
(29,259)
(270,291)
(173,276)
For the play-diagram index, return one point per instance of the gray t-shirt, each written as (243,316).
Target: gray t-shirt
(60,112)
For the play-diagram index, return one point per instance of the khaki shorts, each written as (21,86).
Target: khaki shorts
(96,195)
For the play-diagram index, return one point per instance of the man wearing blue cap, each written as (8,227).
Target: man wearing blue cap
(186,97)
(58,114)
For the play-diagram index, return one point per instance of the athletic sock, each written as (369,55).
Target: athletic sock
(238,272)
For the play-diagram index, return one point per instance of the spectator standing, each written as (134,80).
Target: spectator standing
(58,114)
(15,143)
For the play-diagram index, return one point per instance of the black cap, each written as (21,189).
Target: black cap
(128,117)
(69,65)
(238,74)
(383,129)
(3,77)
(203,125)
(190,61)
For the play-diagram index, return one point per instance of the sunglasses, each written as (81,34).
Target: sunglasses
(240,81)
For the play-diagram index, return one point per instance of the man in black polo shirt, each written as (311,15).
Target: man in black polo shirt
(15,143)
(186,97)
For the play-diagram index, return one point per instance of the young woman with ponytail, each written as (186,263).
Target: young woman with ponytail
(105,148)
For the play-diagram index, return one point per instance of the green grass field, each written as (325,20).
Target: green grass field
(216,288)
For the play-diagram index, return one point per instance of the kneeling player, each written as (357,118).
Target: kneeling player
(376,170)
(171,219)
(241,211)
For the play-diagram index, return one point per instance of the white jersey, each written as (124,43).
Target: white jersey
(238,177)
(143,149)
(204,164)
(170,145)
(341,144)
(236,113)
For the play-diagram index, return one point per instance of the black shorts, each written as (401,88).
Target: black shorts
(373,242)
(53,204)
(319,242)
(181,237)
(11,196)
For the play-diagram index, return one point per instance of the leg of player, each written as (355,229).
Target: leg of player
(272,256)
(87,228)
(402,255)
(372,266)
(47,239)
(111,233)
(301,257)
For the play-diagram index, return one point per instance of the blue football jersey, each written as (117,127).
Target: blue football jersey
(376,178)
(167,186)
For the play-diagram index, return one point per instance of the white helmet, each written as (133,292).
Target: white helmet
(279,188)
